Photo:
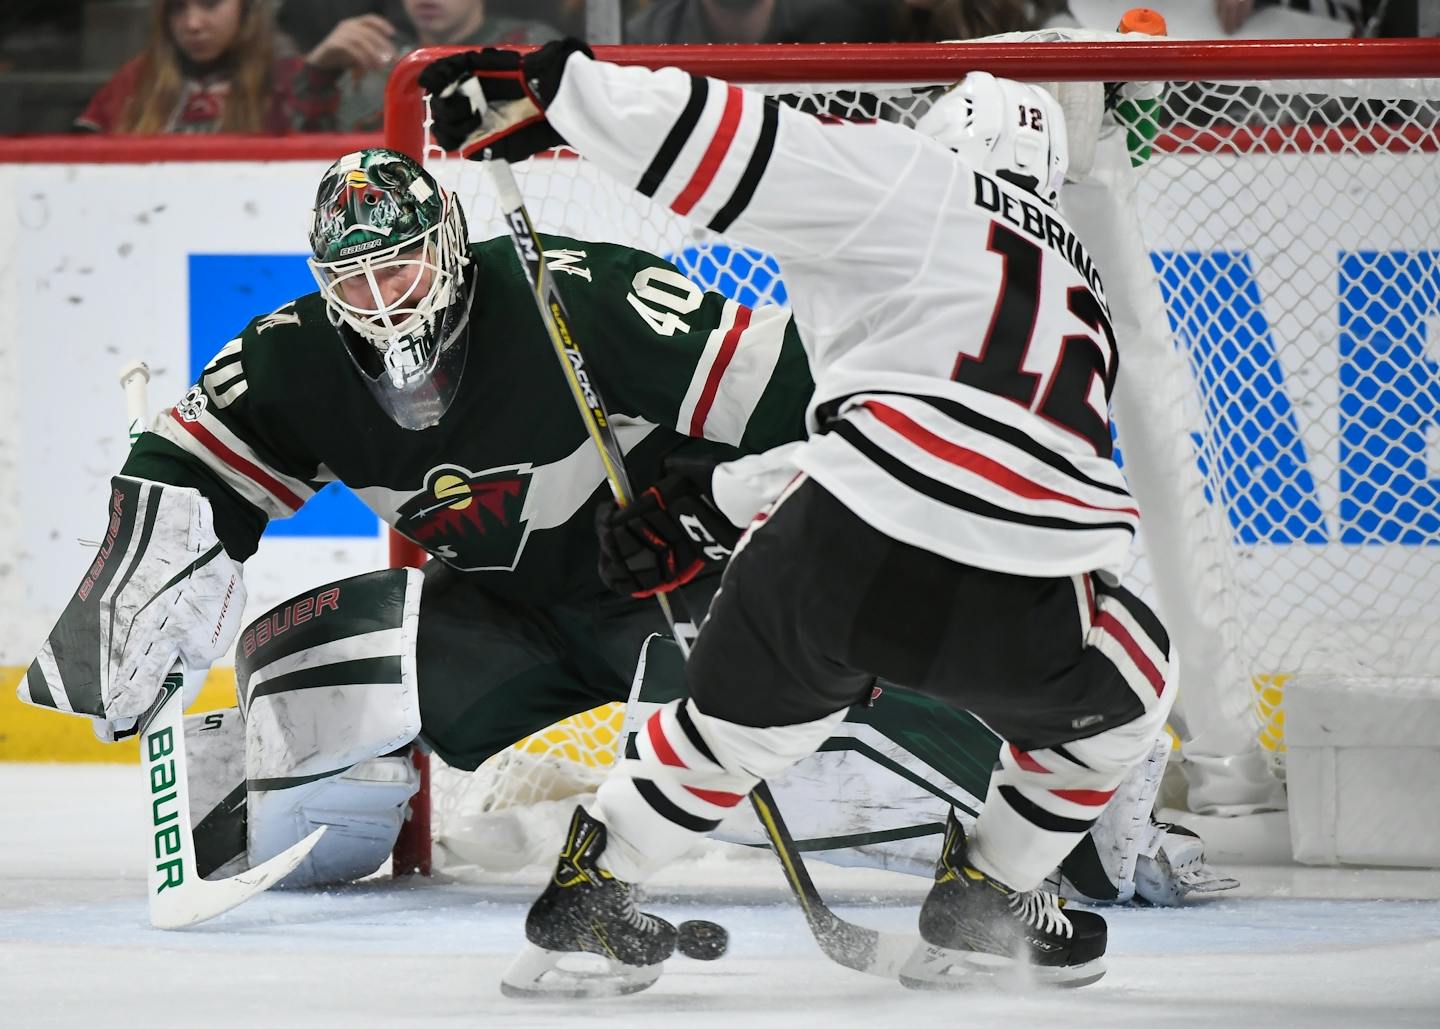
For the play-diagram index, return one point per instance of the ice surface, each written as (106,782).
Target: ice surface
(1296,947)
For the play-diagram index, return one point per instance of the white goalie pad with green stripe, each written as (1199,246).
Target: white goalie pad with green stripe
(327,684)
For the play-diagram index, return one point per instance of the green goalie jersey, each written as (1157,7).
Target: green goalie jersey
(506,484)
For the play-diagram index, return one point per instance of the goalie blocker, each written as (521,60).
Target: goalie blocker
(160,589)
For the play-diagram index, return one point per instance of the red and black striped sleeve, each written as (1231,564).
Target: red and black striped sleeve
(737,161)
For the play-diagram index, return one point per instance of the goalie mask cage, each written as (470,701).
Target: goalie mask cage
(1269,237)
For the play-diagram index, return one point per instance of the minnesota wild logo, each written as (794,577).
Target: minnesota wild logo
(470,520)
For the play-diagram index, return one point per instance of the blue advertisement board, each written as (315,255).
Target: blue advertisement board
(226,292)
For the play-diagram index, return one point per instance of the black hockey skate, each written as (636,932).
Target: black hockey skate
(586,910)
(972,926)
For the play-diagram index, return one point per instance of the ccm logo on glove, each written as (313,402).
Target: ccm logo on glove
(667,536)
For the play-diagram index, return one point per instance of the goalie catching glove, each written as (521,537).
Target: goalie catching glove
(668,535)
(494,100)
(161,589)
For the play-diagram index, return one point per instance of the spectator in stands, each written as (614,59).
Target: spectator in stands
(209,66)
(341,86)
(304,23)
(1366,17)
(933,21)
(761,21)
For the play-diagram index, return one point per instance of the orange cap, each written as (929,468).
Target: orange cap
(1142,19)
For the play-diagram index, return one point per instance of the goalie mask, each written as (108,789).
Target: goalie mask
(389,250)
(1013,130)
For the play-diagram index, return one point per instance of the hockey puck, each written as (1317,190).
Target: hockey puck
(703,941)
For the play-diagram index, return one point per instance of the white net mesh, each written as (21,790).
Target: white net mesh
(1293,238)
(1297,266)
(475,813)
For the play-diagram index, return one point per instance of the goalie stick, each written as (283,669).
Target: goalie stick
(854,946)
(178,896)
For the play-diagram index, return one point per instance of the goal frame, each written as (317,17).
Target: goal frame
(1132,61)
(898,64)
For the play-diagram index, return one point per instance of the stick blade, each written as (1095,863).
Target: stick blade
(854,946)
(861,948)
(202,899)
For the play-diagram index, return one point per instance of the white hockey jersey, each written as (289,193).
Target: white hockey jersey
(957,330)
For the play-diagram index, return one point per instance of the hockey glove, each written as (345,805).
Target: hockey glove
(491,102)
(668,535)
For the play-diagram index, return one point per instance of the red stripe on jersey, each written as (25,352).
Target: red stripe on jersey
(717,797)
(717,370)
(663,750)
(714,153)
(1107,622)
(246,468)
(1027,762)
(972,461)
(1090,798)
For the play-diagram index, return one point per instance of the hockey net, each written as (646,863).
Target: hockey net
(1271,249)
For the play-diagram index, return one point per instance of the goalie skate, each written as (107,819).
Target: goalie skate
(973,927)
(585,936)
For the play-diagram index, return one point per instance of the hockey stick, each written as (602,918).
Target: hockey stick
(567,351)
(845,943)
(178,896)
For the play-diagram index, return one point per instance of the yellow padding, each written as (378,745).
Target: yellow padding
(1270,709)
(1174,739)
(29,733)
(589,738)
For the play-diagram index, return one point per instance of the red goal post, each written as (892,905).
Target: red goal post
(1269,255)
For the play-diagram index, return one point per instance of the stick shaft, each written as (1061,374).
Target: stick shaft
(178,897)
(134,378)
(588,400)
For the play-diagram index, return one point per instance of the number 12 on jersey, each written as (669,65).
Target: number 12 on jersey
(1077,362)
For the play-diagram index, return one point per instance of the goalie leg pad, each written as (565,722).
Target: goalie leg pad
(215,746)
(1102,866)
(363,809)
(327,683)
(1173,867)
(683,773)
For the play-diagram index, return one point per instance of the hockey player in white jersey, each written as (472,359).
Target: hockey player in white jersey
(956,518)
